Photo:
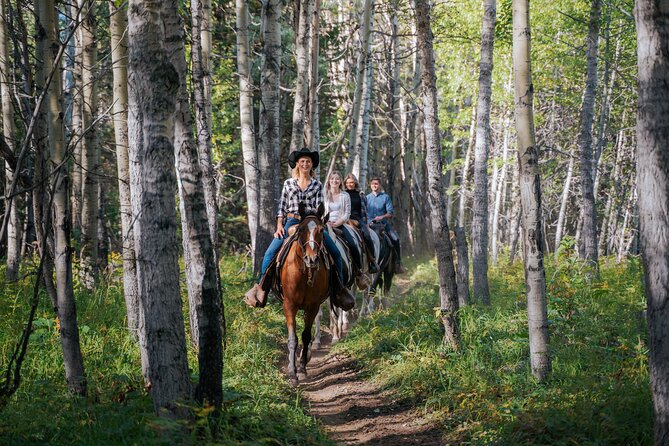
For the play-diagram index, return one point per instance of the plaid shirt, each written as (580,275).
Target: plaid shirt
(292,195)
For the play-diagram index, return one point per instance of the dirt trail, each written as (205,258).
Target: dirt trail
(357,412)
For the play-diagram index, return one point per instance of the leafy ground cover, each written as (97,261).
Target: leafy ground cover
(484,394)
(260,407)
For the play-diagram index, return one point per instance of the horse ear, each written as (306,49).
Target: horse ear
(326,218)
(301,208)
(320,210)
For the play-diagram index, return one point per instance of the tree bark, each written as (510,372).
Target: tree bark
(66,308)
(465,171)
(249,151)
(653,186)
(119,54)
(530,195)
(499,194)
(204,296)
(270,141)
(361,151)
(588,240)
(90,155)
(312,131)
(480,219)
(365,31)
(153,84)
(563,204)
(462,276)
(201,61)
(301,83)
(9,133)
(448,292)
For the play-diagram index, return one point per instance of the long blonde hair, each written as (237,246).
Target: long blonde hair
(328,192)
(350,176)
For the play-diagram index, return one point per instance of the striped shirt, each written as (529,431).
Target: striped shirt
(292,195)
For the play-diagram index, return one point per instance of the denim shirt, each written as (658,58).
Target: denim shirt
(378,205)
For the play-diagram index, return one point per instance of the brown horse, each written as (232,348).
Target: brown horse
(305,283)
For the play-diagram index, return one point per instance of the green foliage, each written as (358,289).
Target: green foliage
(485,394)
(259,409)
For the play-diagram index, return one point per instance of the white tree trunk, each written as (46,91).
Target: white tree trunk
(119,52)
(153,84)
(465,171)
(249,151)
(563,204)
(302,58)
(9,133)
(90,155)
(480,206)
(499,194)
(530,194)
(201,63)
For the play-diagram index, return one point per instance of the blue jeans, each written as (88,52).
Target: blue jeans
(275,246)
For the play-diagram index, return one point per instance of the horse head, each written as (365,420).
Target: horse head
(310,234)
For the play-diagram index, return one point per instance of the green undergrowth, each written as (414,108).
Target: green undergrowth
(484,394)
(260,408)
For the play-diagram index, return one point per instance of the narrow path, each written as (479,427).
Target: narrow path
(357,412)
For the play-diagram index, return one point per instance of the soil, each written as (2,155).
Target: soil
(356,411)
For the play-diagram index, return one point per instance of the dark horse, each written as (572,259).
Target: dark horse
(386,261)
(304,283)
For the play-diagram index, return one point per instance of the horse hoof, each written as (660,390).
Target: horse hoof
(302,374)
(293,381)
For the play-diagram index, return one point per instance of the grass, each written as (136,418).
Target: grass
(598,393)
(260,407)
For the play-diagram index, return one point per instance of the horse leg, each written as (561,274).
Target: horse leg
(334,328)
(309,316)
(292,343)
(345,321)
(316,343)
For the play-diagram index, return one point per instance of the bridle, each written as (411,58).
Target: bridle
(310,263)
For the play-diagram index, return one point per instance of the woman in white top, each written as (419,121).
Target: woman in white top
(338,204)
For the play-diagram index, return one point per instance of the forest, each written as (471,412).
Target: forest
(525,149)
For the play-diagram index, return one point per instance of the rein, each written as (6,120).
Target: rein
(306,262)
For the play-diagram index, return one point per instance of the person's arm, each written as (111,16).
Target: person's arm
(345,201)
(283,212)
(388,207)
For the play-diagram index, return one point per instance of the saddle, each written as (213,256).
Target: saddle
(271,281)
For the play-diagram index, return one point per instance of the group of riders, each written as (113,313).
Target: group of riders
(350,211)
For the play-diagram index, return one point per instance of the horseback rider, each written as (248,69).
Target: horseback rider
(338,204)
(359,215)
(304,188)
(380,210)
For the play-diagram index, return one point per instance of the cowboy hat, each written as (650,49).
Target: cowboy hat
(297,154)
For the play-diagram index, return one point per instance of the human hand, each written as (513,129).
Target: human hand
(279,232)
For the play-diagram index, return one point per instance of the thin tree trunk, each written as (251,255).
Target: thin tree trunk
(77,140)
(270,141)
(66,308)
(448,292)
(312,132)
(465,171)
(119,53)
(153,84)
(301,83)
(588,241)
(202,81)
(90,155)
(653,186)
(563,204)
(361,152)
(530,194)
(480,219)
(361,67)
(9,133)
(249,150)
(498,196)
(462,277)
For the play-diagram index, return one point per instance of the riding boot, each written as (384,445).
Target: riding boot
(256,297)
